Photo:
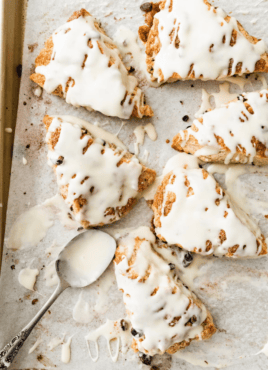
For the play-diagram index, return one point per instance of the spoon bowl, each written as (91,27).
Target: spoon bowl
(82,261)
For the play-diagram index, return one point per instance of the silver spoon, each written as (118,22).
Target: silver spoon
(82,261)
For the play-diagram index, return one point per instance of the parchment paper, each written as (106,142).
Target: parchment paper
(234,291)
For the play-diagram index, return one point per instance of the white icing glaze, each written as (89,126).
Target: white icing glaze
(111,330)
(195,220)
(234,124)
(36,344)
(200,32)
(96,85)
(29,228)
(127,42)
(66,351)
(180,160)
(150,314)
(112,186)
(24,161)
(8,130)
(81,311)
(27,277)
(58,207)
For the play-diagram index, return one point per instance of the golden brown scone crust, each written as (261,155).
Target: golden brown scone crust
(44,58)
(158,207)
(149,35)
(191,146)
(146,178)
(208,326)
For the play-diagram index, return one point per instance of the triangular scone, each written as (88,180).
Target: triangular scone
(165,316)
(83,65)
(193,212)
(235,133)
(188,40)
(98,178)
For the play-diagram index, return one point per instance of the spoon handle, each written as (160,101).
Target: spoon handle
(8,353)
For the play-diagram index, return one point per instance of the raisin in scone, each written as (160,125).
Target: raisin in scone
(188,40)
(98,178)
(237,132)
(82,65)
(193,212)
(165,316)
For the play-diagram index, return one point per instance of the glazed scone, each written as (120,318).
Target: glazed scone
(193,212)
(82,65)
(237,132)
(188,40)
(98,178)
(165,316)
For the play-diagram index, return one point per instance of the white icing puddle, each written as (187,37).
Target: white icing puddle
(30,228)
(27,278)
(111,330)
(82,312)
(127,42)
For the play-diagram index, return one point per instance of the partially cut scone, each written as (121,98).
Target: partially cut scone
(98,178)
(165,316)
(237,132)
(188,40)
(83,65)
(193,212)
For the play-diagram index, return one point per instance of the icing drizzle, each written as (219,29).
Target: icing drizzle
(197,40)
(198,216)
(239,124)
(92,174)
(159,307)
(88,66)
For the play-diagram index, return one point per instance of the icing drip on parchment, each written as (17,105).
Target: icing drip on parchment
(27,277)
(140,132)
(66,351)
(118,330)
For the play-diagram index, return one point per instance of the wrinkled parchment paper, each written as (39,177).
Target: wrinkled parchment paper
(236,292)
